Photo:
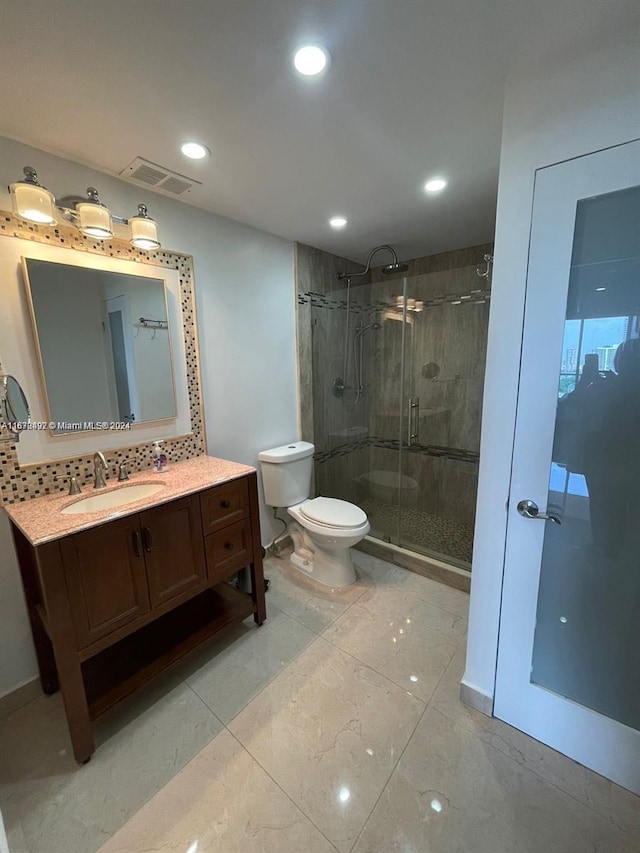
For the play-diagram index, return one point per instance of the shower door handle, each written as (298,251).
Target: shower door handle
(413,421)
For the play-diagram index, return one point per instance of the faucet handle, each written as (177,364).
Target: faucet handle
(74,488)
(123,474)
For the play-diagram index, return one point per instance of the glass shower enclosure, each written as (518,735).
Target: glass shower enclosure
(398,372)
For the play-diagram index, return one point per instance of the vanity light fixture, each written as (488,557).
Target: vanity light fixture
(93,218)
(33,203)
(413,306)
(144,230)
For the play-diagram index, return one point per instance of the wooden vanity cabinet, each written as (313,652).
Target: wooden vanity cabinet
(113,606)
(118,572)
(224,505)
(105,578)
(173,550)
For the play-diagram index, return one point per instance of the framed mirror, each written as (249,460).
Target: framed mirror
(103,342)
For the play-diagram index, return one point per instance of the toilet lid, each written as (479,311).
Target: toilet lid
(333,512)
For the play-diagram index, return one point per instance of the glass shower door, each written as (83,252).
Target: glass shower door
(398,369)
(447,320)
(386,358)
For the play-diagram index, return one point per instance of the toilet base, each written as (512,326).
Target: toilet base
(331,566)
(334,570)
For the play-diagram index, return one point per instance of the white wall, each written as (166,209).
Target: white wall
(588,100)
(246,319)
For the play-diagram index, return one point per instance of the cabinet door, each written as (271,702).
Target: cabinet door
(106,580)
(174,550)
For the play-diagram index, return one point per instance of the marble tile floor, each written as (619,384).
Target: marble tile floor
(334,727)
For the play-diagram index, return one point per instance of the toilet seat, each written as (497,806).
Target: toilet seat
(333,513)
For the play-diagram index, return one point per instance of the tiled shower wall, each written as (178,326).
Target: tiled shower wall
(357,446)
(321,327)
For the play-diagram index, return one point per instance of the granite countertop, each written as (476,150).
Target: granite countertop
(41,519)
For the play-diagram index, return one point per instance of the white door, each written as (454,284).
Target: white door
(569,649)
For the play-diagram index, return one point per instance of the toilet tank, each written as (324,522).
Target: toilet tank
(286,473)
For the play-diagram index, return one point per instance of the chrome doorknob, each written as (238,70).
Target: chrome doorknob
(529,509)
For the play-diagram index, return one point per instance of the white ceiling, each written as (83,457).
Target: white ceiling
(415,89)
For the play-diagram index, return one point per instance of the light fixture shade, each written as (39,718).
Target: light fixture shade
(94,219)
(33,203)
(144,230)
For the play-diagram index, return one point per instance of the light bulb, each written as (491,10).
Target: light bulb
(310,60)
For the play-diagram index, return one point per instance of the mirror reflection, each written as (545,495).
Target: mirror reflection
(103,342)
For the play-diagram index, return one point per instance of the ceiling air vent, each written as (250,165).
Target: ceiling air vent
(176,185)
(147,175)
(151,175)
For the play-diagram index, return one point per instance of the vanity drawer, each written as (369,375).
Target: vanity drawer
(228,550)
(224,505)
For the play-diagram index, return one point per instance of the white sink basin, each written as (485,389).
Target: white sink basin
(115,498)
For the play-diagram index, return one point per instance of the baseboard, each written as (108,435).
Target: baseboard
(476,698)
(428,567)
(19,696)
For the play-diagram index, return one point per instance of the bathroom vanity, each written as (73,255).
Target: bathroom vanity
(117,595)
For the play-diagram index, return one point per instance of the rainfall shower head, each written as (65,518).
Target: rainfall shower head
(394,269)
(361,329)
(390,269)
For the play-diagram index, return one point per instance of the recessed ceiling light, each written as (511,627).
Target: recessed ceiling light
(310,60)
(600,289)
(435,185)
(337,222)
(194,150)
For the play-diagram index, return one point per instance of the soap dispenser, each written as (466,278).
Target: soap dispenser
(159,458)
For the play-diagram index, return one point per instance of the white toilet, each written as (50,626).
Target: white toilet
(323,530)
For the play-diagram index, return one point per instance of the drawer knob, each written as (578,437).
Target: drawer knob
(225,504)
(228,546)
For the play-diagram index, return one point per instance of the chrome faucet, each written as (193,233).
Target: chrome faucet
(99,467)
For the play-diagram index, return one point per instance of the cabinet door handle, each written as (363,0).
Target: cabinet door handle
(146,534)
(225,504)
(229,546)
(137,543)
